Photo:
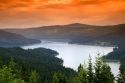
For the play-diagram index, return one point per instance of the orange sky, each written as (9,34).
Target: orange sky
(29,13)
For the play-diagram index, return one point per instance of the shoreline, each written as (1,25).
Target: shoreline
(92,44)
(111,60)
(95,44)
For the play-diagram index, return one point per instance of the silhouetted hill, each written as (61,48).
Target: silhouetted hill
(8,39)
(77,33)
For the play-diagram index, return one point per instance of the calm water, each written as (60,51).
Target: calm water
(74,54)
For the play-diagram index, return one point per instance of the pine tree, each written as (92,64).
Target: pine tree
(82,74)
(106,74)
(12,64)
(98,65)
(103,72)
(59,78)
(13,67)
(34,77)
(6,76)
(90,71)
(121,78)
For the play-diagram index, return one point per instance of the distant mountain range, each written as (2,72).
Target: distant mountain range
(77,33)
(8,39)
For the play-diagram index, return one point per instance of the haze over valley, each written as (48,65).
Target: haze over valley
(77,33)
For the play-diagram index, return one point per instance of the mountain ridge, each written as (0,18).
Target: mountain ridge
(8,39)
(76,33)
(76,24)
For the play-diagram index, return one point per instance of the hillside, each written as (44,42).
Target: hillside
(77,33)
(42,60)
(8,39)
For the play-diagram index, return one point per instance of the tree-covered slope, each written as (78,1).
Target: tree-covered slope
(42,60)
(100,72)
(117,54)
(8,39)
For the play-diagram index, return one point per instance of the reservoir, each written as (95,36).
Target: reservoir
(73,54)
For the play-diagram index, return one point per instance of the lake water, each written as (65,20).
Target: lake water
(74,54)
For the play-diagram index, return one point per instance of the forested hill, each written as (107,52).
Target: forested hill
(117,54)
(42,60)
(12,72)
(77,33)
(8,39)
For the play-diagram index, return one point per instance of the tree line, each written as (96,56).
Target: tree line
(42,60)
(100,72)
(41,66)
(10,73)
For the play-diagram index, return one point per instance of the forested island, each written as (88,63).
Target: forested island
(42,66)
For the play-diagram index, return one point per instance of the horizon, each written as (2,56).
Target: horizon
(33,27)
(35,13)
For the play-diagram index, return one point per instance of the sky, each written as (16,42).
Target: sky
(33,13)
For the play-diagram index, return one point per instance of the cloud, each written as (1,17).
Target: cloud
(8,4)
(45,12)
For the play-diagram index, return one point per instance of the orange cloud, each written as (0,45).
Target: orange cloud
(41,3)
(27,13)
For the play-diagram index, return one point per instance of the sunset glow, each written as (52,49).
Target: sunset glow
(28,13)
(59,1)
